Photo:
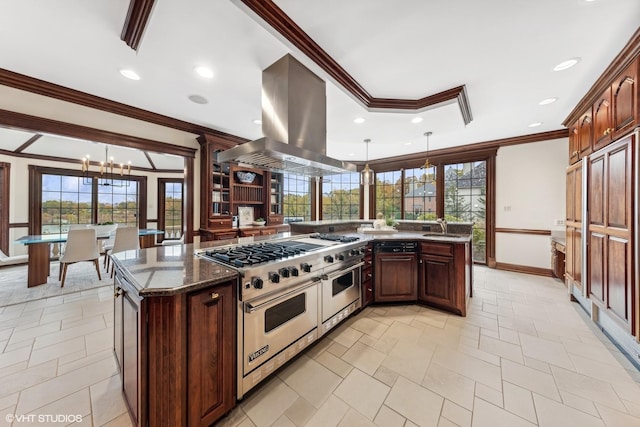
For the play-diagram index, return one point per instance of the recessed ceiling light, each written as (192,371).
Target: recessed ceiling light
(352,154)
(547,101)
(407,143)
(566,64)
(203,71)
(417,120)
(536,124)
(130,74)
(257,122)
(198,99)
(359,120)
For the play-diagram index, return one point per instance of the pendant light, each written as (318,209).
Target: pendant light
(427,166)
(367,174)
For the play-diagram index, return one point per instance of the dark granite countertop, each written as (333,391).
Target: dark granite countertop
(170,270)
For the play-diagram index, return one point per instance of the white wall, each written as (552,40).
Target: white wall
(19,194)
(530,194)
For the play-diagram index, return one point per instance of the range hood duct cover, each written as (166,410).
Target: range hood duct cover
(294,124)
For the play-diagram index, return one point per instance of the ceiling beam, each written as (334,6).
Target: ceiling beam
(30,141)
(136,21)
(149,160)
(275,17)
(41,87)
(22,121)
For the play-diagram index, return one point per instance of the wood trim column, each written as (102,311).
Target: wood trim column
(5,174)
(188,197)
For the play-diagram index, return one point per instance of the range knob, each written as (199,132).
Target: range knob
(284,272)
(305,267)
(256,282)
(328,258)
(340,257)
(294,271)
(274,277)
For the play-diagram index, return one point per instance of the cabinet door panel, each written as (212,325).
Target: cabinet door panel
(596,191)
(211,348)
(577,256)
(624,99)
(619,288)
(577,194)
(438,280)
(130,367)
(395,277)
(596,267)
(602,121)
(585,134)
(619,188)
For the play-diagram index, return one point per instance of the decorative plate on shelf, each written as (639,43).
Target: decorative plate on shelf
(245,215)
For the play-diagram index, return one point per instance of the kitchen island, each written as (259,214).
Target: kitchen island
(174,336)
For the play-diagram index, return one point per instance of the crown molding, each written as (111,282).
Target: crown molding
(136,21)
(275,17)
(459,153)
(627,55)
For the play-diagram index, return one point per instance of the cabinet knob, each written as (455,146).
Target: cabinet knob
(370,289)
(118,292)
(575,153)
(215,296)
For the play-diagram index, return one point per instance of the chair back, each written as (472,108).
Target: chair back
(126,239)
(82,245)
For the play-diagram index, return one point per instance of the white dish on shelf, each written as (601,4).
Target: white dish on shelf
(246,177)
(258,223)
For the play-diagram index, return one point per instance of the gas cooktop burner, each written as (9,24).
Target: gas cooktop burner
(258,253)
(335,237)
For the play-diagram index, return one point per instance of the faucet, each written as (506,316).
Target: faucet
(443,225)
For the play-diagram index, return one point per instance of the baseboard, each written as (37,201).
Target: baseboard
(524,269)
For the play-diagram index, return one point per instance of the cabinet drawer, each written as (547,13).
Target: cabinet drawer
(368,262)
(223,235)
(436,249)
(268,231)
(367,274)
(250,232)
(219,223)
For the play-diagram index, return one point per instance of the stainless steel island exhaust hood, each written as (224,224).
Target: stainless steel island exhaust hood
(294,124)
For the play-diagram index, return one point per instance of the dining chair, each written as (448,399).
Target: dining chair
(126,239)
(82,245)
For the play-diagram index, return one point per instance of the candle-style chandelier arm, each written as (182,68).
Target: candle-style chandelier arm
(105,175)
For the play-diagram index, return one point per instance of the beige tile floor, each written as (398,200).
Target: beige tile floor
(524,356)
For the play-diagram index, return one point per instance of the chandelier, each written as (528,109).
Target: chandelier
(108,173)
(367,174)
(428,175)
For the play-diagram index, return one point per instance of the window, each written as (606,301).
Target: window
(60,198)
(170,208)
(297,198)
(118,204)
(389,194)
(465,187)
(341,196)
(419,194)
(66,200)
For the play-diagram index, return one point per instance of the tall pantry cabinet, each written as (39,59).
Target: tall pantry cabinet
(602,260)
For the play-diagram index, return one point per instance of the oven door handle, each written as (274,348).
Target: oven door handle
(338,273)
(251,308)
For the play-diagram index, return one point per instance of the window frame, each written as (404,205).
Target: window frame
(35,195)
(162,183)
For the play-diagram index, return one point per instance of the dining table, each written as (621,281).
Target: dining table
(38,267)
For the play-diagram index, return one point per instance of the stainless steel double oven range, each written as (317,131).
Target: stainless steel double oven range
(291,292)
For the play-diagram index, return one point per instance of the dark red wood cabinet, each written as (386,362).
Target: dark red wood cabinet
(176,354)
(445,275)
(395,277)
(367,276)
(610,231)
